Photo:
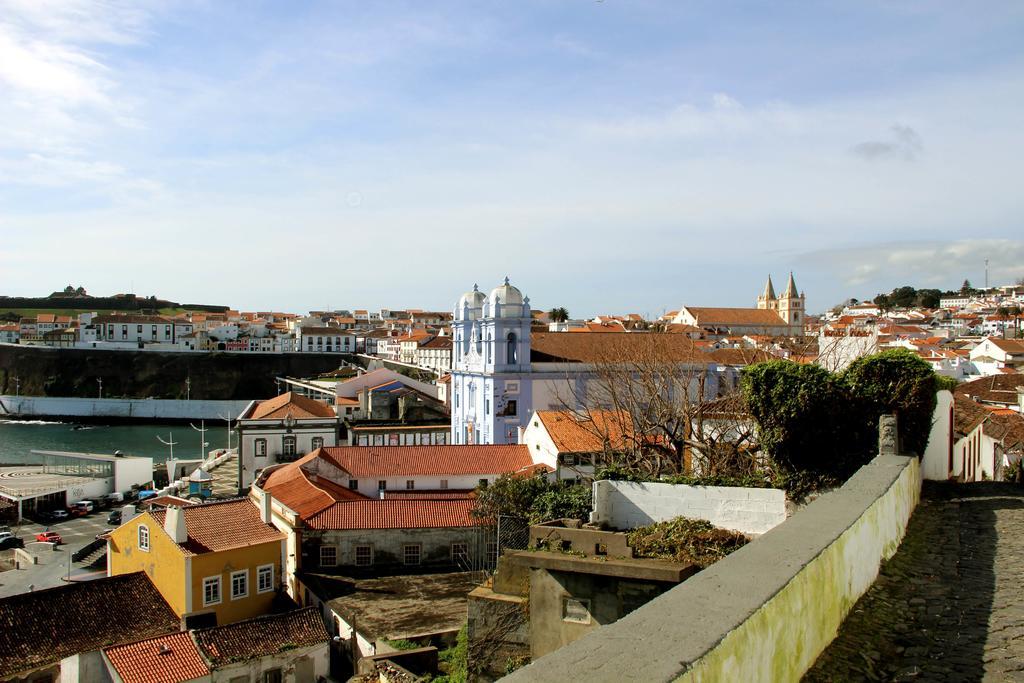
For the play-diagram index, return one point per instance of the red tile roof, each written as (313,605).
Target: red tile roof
(262,636)
(384,461)
(744,317)
(587,433)
(165,659)
(290,403)
(42,627)
(611,347)
(394,513)
(213,527)
(304,493)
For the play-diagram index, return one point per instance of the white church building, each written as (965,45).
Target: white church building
(502,373)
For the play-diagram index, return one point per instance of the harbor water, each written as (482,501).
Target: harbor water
(18,438)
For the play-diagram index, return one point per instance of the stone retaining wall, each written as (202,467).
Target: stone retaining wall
(765,612)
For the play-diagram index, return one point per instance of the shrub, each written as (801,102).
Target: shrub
(895,381)
(533,498)
(804,416)
(685,540)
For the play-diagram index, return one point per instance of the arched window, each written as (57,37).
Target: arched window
(512,352)
(479,340)
(489,345)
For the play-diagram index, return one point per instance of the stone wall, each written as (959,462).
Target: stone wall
(627,505)
(765,612)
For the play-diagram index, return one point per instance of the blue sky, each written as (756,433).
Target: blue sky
(609,156)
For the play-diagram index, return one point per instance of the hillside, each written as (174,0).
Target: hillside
(141,374)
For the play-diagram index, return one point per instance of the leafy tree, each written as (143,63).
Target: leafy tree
(558,315)
(574,502)
(928,298)
(882,301)
(903,297)
(895,381)
(966,288)
(533,498)
(802,413)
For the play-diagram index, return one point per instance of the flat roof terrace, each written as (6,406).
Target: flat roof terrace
(22,482)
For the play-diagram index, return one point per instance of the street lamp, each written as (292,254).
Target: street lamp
(202,437)
(228,419)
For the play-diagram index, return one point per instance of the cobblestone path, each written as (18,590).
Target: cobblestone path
(949,606)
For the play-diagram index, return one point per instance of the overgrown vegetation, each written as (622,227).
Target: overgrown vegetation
(403,644)
(685,540)
(814,421)
(453,661)
(533,498)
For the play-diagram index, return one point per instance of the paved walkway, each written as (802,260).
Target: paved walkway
(949,606)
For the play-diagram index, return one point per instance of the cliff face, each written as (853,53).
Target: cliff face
(141,374)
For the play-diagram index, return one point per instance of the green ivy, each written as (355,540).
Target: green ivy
(814,422)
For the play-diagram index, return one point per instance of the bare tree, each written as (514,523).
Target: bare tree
(658,404)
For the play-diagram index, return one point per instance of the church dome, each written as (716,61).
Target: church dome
(474,300)
(510,298)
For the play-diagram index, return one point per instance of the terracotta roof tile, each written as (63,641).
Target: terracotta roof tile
(262,636)
(303,493)
(42,627)
(605,347)
(725,317)
(385,461)
(166,659)
(588,433)
(213,527)
(394,513)
(290,403)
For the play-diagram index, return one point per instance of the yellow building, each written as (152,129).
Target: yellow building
(214,564)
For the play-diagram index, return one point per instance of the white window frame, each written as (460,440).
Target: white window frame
(144,538)
(419,554)
(212,581)
(333,548)
(260,448)
(262,571)
(244,574)
(355,555)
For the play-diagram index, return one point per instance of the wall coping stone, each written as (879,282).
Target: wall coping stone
(660,640)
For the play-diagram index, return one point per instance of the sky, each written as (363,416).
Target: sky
(607,156)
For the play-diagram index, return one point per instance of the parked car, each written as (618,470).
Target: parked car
(100,503)
(54,515)
(49,537)
(85,506)
(9,540)
(114,518)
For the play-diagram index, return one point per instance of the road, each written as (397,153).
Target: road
(949,605)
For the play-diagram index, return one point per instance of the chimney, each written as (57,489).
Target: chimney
(265,514)
(174,524)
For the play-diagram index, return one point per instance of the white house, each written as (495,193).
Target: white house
(502,372)
(280,430)
(572,443)
(325,340)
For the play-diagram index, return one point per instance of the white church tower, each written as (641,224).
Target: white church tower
(491,389)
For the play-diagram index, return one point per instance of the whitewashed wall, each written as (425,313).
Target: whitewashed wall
(626,505)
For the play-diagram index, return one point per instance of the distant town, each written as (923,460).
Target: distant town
(464,492)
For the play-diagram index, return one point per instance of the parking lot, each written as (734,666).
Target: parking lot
(76,533)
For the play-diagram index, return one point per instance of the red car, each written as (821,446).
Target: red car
(49,537)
